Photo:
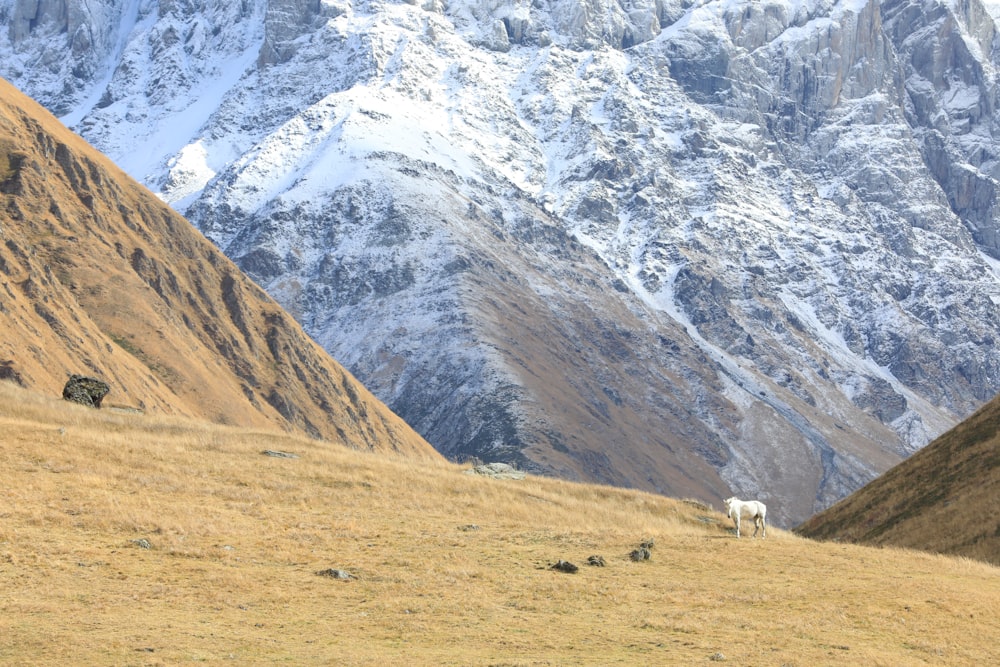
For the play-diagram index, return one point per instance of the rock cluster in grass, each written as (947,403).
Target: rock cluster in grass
(496,471)
(335,573)
(565,566)
(643,552)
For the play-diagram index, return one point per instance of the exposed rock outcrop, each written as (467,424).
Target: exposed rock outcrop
(285,22)
(85,390)
(496,471)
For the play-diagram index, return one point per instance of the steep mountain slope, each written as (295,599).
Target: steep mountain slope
(694,247)
(100,277)
(937,500)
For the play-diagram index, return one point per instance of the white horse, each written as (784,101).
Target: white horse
(737,509)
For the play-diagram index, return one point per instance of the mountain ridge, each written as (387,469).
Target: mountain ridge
(753,242)
(101,277)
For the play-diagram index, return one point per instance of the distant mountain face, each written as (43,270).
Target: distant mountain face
(934,500)
(699,248)
(99,277)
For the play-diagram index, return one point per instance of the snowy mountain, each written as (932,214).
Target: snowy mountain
(703,248)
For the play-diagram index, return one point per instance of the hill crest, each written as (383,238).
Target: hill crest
(940,499)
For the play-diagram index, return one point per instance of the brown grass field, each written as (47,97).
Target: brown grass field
(449,569)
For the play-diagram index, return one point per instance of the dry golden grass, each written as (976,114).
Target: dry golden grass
(450,569)
(940,499)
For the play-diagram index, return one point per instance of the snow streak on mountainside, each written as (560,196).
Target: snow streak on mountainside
(696,247)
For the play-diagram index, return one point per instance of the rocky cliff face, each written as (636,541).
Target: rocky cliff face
(700,248)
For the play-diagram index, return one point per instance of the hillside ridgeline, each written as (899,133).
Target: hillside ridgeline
(941,499)
(99,277)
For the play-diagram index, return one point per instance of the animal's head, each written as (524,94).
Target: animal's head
(728,502)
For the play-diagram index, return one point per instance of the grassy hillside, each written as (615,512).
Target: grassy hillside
(448,569)
(100,277)
(941,499)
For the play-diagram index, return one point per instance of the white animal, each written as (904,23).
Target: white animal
(737,509)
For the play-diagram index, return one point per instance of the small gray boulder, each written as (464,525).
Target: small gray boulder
(496,471)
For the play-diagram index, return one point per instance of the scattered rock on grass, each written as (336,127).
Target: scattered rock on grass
(565,566)
(640,554)
(334,573)
(280,455)
(142,543)
(496,471)
(644,552)
(705,507)
(597,561)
